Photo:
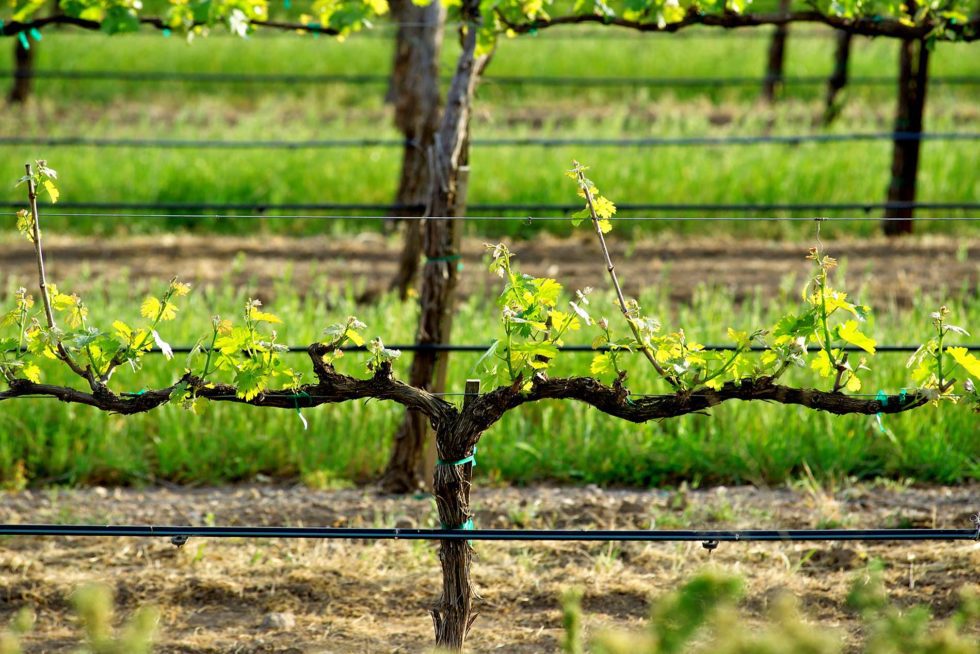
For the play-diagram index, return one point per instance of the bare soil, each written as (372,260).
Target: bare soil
(893,270)
(214,595)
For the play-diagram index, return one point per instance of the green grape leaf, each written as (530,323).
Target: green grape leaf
(249,382)
(25,224)
(850,332)
(150,307)
(601,364)
(52,190)
(963,357)
(32,372)
(822,364)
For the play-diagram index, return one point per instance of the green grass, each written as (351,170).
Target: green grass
(559,53)
(567,442)
(52,442)
(844,172)
(833,172)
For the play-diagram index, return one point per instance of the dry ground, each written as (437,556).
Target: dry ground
(372,597)
(894,270)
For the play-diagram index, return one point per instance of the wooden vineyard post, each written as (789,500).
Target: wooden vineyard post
(453,615)
(440,274)
(20,91)
(838,78)
(773,83)
(912,80)
(415,94)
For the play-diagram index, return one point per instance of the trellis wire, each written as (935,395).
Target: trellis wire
(450,347)
(306,398)
(689,535)
(531,219)
(261,209)
(476,348)
(361,79)
(311,144)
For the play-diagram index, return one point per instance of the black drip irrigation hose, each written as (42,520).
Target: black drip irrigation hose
(707,536)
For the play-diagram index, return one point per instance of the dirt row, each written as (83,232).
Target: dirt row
(341,596)
(893,271)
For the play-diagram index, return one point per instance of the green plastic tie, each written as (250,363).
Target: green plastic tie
(883,399)
(35,34)
(165,31)
(466,526)
(467,459)
(315,27)
(137,394)
(302,418)
(24,43)
(450,257)
(902,397)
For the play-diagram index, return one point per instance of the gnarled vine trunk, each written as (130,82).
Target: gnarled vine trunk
(912,80)
(773,83)
(414,92)
(838,78)
(441,232)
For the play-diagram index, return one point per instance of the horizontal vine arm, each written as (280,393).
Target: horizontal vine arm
(615,400)
(331,388)
(864,26)
(16,27)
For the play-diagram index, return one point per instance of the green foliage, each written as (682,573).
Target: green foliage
(32,341)
(934,363)
(10,639)
(827,320)
(549,441)
(197,17)
(249,355)
(242,17)
(94,605)
(943,16)
(43,178)
(534,322)
(702,616)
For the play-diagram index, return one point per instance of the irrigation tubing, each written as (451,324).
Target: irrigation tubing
(319,144)
(260,211)
(706,536)
(362,79)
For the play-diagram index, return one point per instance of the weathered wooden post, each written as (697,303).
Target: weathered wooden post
(838,78)
(414,92)
(20,91)
(441,234)
(912,80)
(773,83)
